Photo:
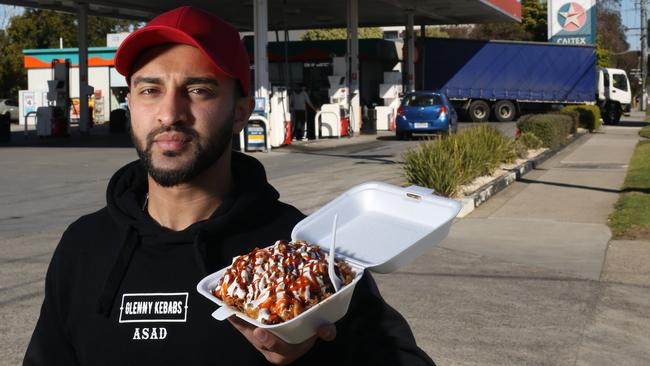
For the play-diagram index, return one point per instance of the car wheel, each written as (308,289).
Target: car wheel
(404,135)
(504,111)
(452,129)
(479,111)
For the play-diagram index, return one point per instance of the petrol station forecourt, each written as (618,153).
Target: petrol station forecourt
(344,83)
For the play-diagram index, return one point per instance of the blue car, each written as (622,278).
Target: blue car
(425,112)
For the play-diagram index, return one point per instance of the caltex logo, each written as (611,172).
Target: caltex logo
(571,17)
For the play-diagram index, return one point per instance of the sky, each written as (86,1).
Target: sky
(7,11)
(630,15)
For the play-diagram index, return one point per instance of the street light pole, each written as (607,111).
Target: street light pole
(644,53)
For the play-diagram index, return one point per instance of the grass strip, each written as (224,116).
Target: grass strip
(645,132)
(631,216)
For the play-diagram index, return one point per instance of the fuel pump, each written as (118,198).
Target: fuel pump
(389,91)
(334,116)
(255,136)
(53,119)
(279,117)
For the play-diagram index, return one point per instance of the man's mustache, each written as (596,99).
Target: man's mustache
(186,130)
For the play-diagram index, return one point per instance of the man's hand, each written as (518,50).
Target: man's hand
(276,350)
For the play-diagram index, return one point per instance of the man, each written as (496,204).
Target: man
(300,102)
(121,287)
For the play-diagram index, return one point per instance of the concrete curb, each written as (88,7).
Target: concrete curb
(481,195)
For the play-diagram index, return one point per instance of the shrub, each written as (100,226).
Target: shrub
(575,118)
(589,115)
(433,165)
(447,164)
(521,149)
(525,117)
(530,141)
(551,129)
(486,149)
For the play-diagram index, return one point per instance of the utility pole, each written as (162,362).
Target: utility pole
(644,53)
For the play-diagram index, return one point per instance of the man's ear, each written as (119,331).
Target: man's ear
(243,109)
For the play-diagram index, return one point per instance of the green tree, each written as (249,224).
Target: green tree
(7,76)
(603,55)
(462,31)
(340,33)
(37,28)
(610,33)
(534,19)
(533,26)
(434,32)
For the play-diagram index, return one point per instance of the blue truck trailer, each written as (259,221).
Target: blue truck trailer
(502,79)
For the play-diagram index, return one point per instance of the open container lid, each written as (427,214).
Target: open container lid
(381,227)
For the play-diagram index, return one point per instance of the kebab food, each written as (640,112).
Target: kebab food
(276,284)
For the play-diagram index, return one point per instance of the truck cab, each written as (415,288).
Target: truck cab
(614,95)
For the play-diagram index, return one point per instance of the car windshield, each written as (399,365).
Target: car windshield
(415,100)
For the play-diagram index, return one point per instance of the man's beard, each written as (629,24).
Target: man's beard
(203,156)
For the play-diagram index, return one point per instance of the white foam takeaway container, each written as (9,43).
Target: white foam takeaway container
(381,228)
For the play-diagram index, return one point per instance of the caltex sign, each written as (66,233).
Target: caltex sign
(572,22)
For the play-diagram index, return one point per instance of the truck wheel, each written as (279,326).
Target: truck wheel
(615,117)
(612,115)
(604,113)
(479,111)
(505,111)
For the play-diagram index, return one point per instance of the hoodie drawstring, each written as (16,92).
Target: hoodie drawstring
(115,277)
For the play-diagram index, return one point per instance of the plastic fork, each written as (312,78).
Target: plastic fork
(336,282)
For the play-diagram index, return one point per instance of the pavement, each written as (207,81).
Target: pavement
(530,277)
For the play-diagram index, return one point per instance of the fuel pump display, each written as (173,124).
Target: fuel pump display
(255,134)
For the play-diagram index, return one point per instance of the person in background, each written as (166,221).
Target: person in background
(301,102)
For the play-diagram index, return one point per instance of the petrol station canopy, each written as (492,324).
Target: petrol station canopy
(306,14)
(260,16)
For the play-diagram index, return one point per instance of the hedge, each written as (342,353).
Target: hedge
(589,115)
(575,117)
(552,129)
(530,141)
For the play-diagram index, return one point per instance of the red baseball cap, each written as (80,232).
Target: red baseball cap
(218,40)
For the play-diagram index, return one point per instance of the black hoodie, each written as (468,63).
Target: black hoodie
(121,289)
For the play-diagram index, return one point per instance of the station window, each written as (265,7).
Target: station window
(277,73)
(391,35)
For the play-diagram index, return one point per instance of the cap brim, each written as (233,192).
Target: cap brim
(151,36)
